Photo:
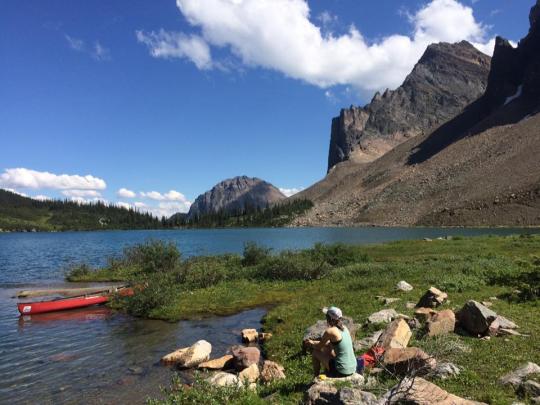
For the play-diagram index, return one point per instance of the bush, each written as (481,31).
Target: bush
(157,291)
(78,271)
(153,257)
(337,254)
(254,254)
(202,272)
(292,266)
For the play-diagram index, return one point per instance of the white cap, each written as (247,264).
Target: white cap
(333,312)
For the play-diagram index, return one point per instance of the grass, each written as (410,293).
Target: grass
(466,268)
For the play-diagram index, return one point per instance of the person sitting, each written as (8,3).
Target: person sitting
(335,350)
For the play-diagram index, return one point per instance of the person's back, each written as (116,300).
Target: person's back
(345,360)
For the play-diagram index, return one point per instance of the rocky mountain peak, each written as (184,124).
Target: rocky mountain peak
(235,195)
(446,79)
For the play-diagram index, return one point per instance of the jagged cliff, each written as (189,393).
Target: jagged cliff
(235,195)
(447,78)
(479,168)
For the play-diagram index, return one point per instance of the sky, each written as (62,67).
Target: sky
(150,103)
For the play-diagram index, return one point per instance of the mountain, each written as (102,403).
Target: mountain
(19,213)
(446,79)
(235,196)
(480,168)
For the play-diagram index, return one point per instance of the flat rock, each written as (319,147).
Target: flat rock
(383,316)
(417,391)
(475,318)
(217,364)
(243,357)
(271,371)
(441,323)
(432,298)
(191,356)
(223,379)
(404,286)
(516,377)
(396,335)
(409,360)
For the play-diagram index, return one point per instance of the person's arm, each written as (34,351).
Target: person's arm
(328,336)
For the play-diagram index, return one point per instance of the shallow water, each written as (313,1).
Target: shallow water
(96,356)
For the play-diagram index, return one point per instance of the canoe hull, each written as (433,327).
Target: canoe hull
(31,308)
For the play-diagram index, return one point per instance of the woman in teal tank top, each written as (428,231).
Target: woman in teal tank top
(335,349)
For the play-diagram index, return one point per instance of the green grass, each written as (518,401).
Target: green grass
(466,268)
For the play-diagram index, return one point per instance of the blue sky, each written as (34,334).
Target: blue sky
(163,95)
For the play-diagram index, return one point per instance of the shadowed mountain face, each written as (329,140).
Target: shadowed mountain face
(235,195)
(479,168)
(446,79)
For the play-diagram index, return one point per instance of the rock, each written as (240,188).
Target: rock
(424,314)
(516,377)
(217,364)
(249,335)
(404,286)
(529,388)
(432,298)
(189,356)
(136,370)
(408,361)
(396,335)
(223,379)
(414,323)
(487,303)
(445,371)
(388,301)
(441,323)
(315,331)
(355,379)
(508,332)
(249,374)
(355,396)
(410,305)
(475,318)
(417,391)
(383,316)
(321,394)
(505,323)
(243,357)
(272,371)
(367,342)
(264,337)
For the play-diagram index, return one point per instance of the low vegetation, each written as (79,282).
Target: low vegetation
(295,285)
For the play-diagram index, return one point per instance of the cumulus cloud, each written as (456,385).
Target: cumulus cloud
(162,209)
(125,193)
(280,35)
(165,44)
(81,193)
(27,178)
(171,195)
(290,191)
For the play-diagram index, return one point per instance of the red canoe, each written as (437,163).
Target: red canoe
(31,308)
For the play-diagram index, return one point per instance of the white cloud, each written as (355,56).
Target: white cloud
(290,191)
(125,193)
(165,44)
(75,43)
(81,193)
(16,192)
(171,195)
(123,205)
(41,197)
(97,51)
(27,178)
(279,35)
(170,203)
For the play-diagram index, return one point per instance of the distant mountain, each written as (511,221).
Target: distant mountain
(235,196)
(480,168)
(19,213)
(446,79)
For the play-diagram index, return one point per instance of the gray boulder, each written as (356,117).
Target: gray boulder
(516,377)
(476,318)
(383,316)
(315,331)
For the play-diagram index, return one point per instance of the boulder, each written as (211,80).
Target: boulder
(410,360)
(217,364)
(367,342)
(249,335)
(315,331)
(190,356)
(505,323)
(417,391)
(243,357)
(424,314)
(445,371)
(432,298)
(516,377)
(355,396)
(404,286)
(396,335)
(272,371)
(249,374)
(223,379)
(441,323)
(321,394)
(383,316)
(476,318)
(529,388)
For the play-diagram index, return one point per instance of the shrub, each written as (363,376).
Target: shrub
(152,294)
(292,266)
(78,271)
(337,254)
(153,256)
(202,272)
(254,254)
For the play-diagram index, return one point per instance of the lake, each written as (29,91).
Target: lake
(97,356)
